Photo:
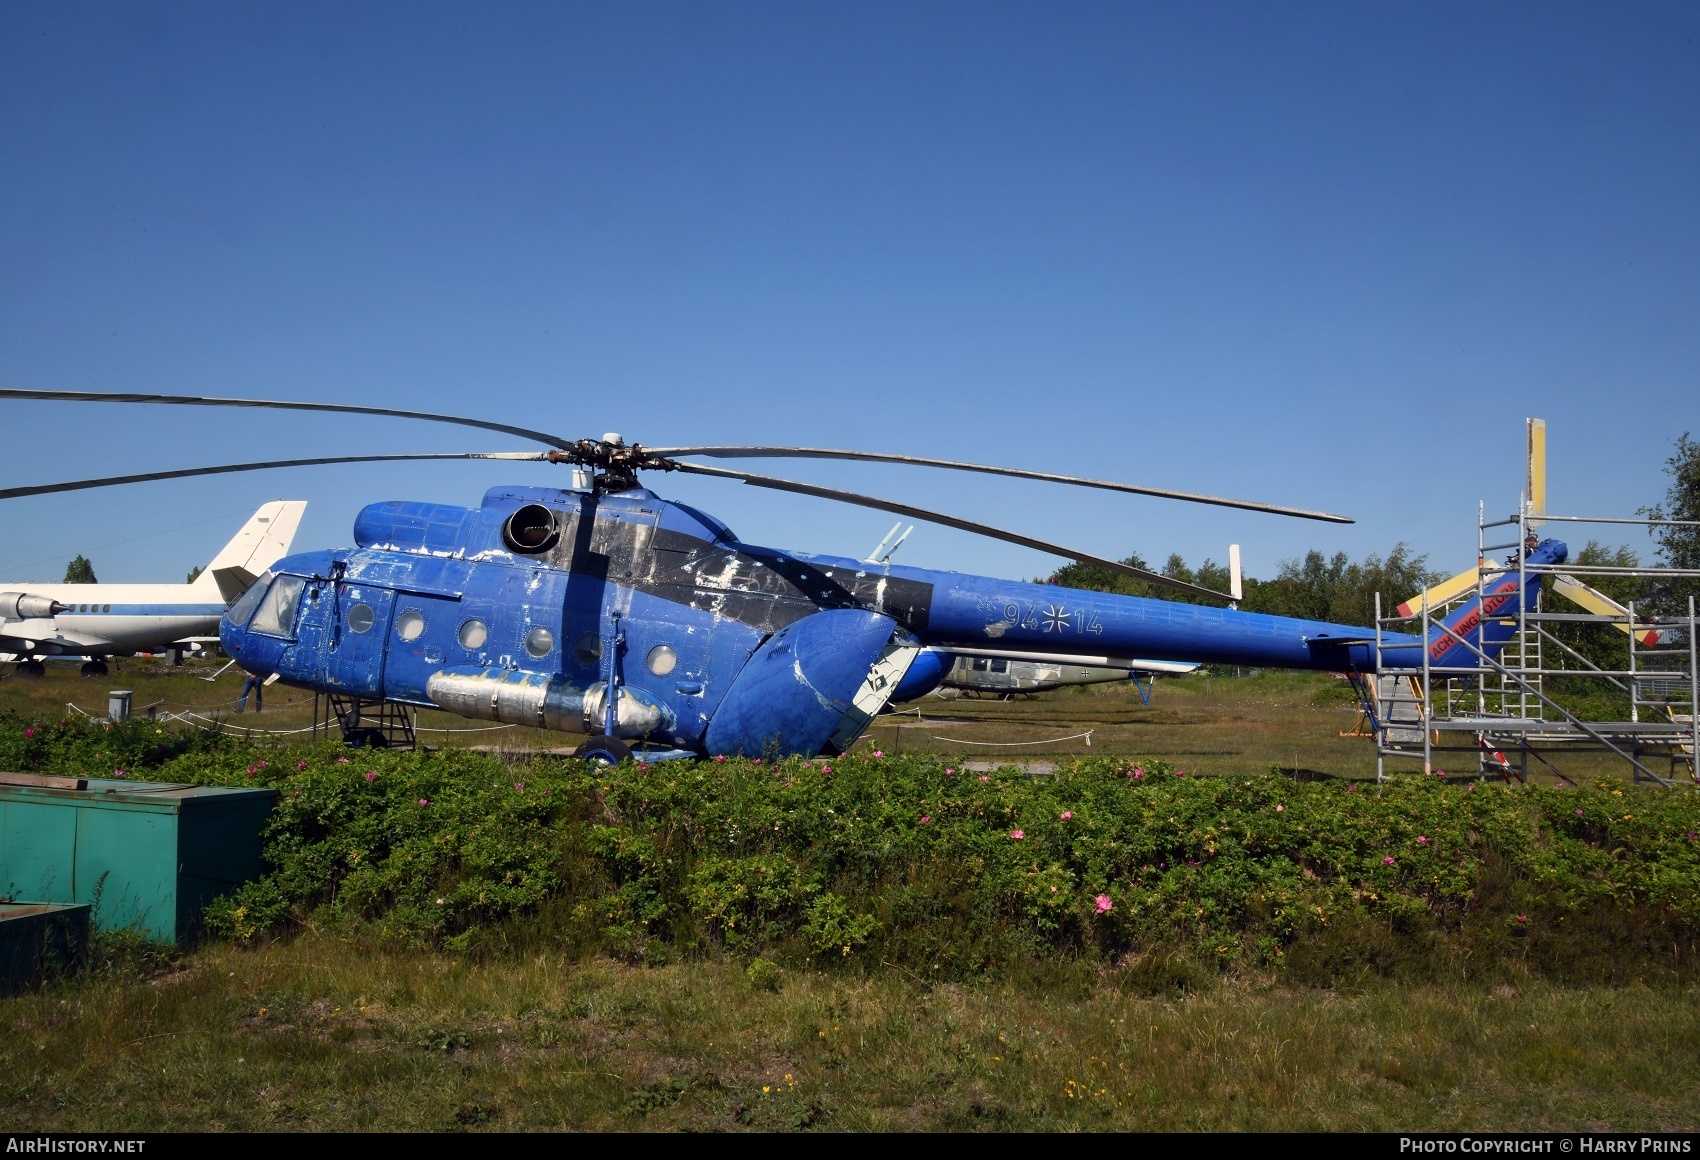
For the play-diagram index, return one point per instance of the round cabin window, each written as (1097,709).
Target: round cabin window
(409,625)
(360,618)
(662,659)
(588,649)
(539,641)
(473,634)
(531,529)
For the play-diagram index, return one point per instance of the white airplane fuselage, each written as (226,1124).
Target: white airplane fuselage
(98,620)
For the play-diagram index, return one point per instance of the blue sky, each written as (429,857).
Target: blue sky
(1325,255)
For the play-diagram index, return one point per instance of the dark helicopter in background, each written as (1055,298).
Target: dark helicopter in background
(605,609)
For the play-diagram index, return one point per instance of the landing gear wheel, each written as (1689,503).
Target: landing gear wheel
(94,668)
(31,668)
(604,750)
(366,739)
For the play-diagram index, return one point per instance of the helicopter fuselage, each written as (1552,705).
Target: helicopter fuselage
(509,611)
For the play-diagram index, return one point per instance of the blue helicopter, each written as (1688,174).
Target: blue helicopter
(604,609)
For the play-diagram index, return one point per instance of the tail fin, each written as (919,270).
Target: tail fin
(1488,622)
(262,542)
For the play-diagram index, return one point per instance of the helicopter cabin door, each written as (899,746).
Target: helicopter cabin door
(354,653)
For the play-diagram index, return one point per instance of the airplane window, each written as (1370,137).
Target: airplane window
(360,618)
(246,603)
(539,641)
(981,664)
(473,634)
(662,660)
(1000,665)
(588,649)
(409,625)
(276,614)
(106,608)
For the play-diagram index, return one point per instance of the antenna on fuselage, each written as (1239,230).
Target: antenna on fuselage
(883,550)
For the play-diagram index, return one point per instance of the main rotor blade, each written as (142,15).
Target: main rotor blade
(280,405)
(184,473)
(932,517)
(1018,473)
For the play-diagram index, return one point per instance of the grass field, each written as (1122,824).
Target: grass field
(1214,725)
(330,1025)
(314,1033)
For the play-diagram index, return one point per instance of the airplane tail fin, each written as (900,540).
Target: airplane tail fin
(1488,622)
(262,542)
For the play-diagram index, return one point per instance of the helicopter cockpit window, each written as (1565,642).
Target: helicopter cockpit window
(531,529)
(239,612)
(276,613)
(473,634)
(409,625)
(539,641)
(360,618)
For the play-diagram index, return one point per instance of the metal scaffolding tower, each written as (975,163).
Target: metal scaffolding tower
(1521,708)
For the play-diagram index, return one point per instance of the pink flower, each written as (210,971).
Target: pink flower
(1578,813)
(758,760)
(1692,836)
(1280,809)
(424,801)
(1351,789)
(951,772)
(300,765)
(826,769)
(1180,773)
(1138,773)
(1387,861)
(1471,788)
(263,764)
(1522,918)
(1066,815)
(1422,839)
(879,753)
(1440,773)
(519,786)
(125,773)
(1017,835)
(984,777)
(371,775)
(439,902)
(926,819)
(719,759)
(643,767)
(1053,890)
(1103,905)
(342,761)
(30,732)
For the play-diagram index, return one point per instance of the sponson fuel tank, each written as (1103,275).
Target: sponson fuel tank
(519,697)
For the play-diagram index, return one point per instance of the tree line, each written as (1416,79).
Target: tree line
(1335,588)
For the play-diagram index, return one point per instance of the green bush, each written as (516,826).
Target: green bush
(912,861)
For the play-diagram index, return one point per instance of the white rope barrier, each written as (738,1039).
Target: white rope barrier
(1013,744)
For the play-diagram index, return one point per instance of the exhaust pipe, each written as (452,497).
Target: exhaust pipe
(518,697)
(23,606)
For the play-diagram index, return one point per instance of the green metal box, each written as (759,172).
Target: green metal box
(35,937)
(148,855)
